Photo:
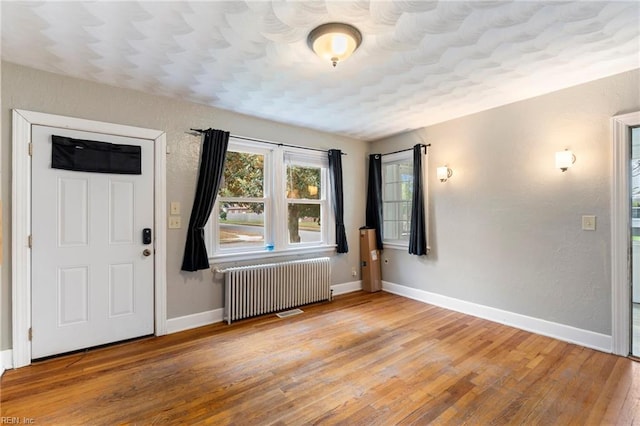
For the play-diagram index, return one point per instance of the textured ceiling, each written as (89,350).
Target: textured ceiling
(420,62)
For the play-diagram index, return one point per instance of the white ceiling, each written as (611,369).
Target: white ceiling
(420,62)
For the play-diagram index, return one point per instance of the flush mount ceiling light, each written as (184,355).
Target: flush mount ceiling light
(334,41)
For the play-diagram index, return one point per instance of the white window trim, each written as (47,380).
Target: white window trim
(260,255)
(276,227)
(394,158)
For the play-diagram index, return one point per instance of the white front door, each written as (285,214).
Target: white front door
(92,282)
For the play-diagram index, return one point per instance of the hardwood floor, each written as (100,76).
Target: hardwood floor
(363,359)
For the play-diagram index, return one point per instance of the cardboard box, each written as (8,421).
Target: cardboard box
(370,261)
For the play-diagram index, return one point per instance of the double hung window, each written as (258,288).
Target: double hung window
(306,195)
(272,199)
(242,204)
(397,190)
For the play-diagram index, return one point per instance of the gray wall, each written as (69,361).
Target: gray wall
(187,293)
(506,228)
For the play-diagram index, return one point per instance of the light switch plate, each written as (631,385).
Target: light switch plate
(174,208)
(588,223)
(175,222)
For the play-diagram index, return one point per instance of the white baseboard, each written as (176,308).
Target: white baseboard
(188,322)
(567,333)
(6,360)
(346,287)
(200,319)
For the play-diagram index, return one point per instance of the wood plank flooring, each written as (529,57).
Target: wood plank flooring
(363,359)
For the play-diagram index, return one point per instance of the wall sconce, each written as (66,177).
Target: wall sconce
(564,159)
(444,173)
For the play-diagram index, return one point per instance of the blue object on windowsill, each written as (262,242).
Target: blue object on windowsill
(269,247)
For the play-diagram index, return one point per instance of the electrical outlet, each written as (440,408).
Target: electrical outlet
(588,223)
(174,208)
(354,272)
(175,222)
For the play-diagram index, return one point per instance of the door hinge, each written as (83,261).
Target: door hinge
(30,241)
(30,149)
(30,333)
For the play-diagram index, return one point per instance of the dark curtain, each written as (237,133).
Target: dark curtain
(214,149)
(417,236)
(335,173)
(374,197)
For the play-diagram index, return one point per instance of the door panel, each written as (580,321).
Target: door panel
(91,284)
(121,212)
(121,290)
(73,296)
(73,211)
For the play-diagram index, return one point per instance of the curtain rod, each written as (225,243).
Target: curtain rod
(408,149)
(200,131)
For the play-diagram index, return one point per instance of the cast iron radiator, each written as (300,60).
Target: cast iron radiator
(260,289)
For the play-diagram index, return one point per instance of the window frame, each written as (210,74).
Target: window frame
(306,158)
(397,158)
(213,243)
(276,202)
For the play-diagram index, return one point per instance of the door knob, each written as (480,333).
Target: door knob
(146,252)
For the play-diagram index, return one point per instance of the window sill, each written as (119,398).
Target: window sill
(395,246)
(233,257)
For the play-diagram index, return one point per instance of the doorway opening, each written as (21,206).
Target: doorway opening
(635,241)
(622,232)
